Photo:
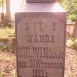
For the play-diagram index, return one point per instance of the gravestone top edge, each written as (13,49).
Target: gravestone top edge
(40,1)
(41,7)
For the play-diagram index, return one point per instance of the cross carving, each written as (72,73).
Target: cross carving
(54,26)
(26,26)
(40,23)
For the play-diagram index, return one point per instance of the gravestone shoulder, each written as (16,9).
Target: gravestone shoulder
(41,7)
(40,1)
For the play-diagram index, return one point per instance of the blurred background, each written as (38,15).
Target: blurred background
(8,8)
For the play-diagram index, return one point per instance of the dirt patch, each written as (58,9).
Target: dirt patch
(71,63)
(8,64)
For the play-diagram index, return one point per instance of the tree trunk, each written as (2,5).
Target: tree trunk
(8,13)
(75,30)
(2,14)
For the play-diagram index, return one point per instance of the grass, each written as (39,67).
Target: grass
(6,38)
(72,43)
(7,32)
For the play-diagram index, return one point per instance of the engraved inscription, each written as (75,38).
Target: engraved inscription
(54,26)
(39,52)
(38,63)
(40,47)
(39,73)
(26,26)
(40,23)
(40,38)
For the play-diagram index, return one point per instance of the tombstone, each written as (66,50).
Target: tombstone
(40,1)
(40,37)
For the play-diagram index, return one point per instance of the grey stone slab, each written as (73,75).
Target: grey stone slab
(41,7)
(40,38)
(40,1)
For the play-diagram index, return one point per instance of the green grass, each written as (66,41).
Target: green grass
(72,43)
(7,32)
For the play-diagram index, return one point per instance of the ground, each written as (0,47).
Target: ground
(8,64)
(71,63)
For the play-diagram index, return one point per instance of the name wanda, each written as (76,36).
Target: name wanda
(40,38)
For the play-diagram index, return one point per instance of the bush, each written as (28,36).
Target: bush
(72,42)
(74,46)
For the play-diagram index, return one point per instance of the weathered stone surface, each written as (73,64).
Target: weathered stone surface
(40,34)
(40,44)
(37,1)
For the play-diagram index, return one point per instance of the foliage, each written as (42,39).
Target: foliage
(7,44)
(72,42)
(71,8)
(60,1)
(7,32)
(2,1)
(7,39)
(3,44)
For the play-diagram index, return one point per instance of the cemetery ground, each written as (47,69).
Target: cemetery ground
(8,58)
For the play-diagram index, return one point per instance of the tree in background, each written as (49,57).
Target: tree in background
(2,5)
(8,13)
(71,7)
(5,4)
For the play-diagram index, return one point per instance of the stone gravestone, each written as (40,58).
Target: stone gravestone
(40,37)
(35,1)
